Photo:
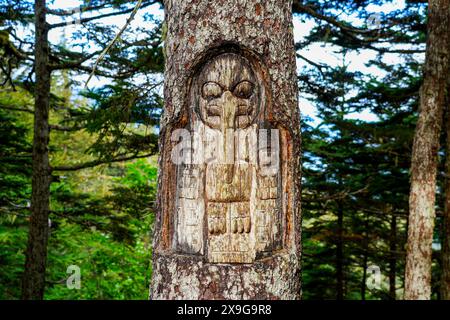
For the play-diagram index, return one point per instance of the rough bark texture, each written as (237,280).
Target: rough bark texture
(424,156)
(340,253)
(445,254)
(393,258)
(365,261)
(36,255)
(218,54)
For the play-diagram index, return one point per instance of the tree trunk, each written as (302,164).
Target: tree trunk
(393,258)
(424,155)
(445,255)
(340,254)
(365,259)
(228,219)
(364,277)
(36,255)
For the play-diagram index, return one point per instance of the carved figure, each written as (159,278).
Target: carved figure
(238,207)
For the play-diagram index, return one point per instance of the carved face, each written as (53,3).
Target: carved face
(228,92)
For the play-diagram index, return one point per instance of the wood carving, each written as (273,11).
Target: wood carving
(229,207)
(228,216)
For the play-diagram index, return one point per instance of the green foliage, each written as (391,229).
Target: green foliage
(13,239)
(113,250)
(15,178)
(109,269)
(108,237)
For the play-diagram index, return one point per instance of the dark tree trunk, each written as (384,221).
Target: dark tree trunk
(364,277)
(365,260)
(393,258)
(36,254)
(424,155)
(340,253)
(228,230)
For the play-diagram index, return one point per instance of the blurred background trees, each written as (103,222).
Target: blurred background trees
(96,196)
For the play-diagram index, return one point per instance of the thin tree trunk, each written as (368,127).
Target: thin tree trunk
(424,155)
(393,258)
(228,230)
(364,277)
(339,253)
(36,255)
(365,259)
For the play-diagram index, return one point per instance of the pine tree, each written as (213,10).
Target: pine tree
(424,154)
(127,101)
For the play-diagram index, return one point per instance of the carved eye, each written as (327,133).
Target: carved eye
(243,90)
(211,90)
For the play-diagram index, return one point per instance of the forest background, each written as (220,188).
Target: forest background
(359,72)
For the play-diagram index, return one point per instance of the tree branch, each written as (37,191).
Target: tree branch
(96,163)
(62,128)
(17,109)
(61,65)
(65,13)
(399,51)
(317,65)
(307,9)
(105,15)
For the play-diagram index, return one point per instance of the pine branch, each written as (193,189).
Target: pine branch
(66,129)
(65,13)
(61,65)
(317,65)
(96,163)
(17,109)
(341,25)
(105,15)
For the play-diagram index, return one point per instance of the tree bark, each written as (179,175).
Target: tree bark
(227,230)
(424,155)
(340,253)
(364,277)
(445,254)
(365,259)
(393,258)
(36,255)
